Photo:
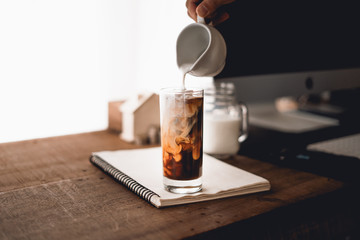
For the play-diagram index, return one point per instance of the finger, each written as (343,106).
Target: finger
(191,7)
(209,7)
(192,16)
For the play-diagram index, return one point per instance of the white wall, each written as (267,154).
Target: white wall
(62,61)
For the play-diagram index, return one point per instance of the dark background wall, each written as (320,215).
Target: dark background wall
(268,37)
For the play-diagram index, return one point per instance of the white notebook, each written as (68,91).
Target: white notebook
(141,171)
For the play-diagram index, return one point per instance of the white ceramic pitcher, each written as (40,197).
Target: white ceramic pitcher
(201,50)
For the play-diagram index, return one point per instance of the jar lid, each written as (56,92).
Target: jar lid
(221,89)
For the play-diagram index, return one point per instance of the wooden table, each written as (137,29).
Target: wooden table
(49,190)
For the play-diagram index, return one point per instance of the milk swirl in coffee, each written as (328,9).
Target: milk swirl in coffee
(182,138)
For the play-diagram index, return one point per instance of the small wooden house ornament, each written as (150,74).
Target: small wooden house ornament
(140,114)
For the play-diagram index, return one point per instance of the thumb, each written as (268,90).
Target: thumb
(208,7)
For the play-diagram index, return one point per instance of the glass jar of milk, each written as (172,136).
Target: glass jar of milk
(225,121)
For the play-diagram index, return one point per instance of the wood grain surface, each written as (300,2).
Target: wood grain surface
(49,190)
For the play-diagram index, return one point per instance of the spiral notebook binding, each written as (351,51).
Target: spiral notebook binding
(124,179)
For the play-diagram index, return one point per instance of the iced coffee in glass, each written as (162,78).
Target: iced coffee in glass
(181,116)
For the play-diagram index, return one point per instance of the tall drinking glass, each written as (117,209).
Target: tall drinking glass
(181,116)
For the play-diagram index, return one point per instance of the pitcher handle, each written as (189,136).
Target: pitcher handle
(244,122)
(201,20)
